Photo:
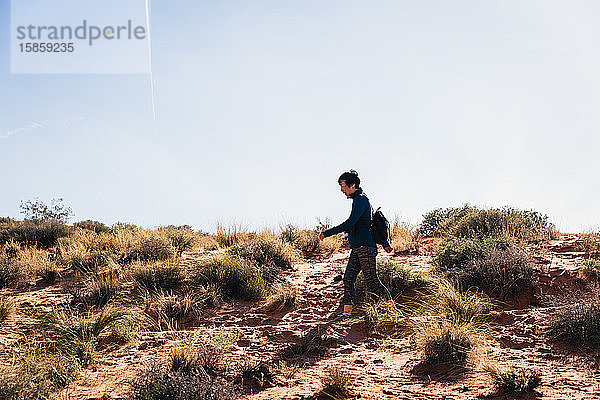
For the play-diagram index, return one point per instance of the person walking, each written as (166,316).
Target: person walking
(363,249)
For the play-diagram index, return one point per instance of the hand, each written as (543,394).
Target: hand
(388,249)
(321,236)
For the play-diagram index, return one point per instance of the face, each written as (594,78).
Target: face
(347,190)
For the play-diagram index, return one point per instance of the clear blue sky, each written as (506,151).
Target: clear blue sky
(262,104)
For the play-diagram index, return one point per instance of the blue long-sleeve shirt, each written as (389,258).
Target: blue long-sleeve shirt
(358,225)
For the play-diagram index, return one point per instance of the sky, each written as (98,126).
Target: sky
(261,105)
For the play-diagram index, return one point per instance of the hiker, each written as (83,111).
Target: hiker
(363,247)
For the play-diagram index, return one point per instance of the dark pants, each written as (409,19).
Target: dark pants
(363,259)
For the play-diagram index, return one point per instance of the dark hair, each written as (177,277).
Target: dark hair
(351,178)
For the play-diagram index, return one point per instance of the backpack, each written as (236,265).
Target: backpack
(380,228)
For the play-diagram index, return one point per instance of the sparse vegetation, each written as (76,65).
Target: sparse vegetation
(307,241)
(578,325)
(471,222)
(158,276)
(283,296)
(590,269)
(404,237)
(158,383)
(236,278)
(313,342)
(513,379)
(336,383)
(94,226)
(37,375)
(7,307)
(398,278)
(271,256)
(441,342)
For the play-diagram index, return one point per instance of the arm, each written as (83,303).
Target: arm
(358,207)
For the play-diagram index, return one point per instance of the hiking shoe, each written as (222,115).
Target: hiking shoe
(342,317)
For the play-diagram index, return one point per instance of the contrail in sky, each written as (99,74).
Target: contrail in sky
(150,62)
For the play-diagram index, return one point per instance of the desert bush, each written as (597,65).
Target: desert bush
(396,277)
(98,291)
(459,308)
(590,269)
(87,262)
(403,237)
(590,244)
(307,241)
(336,383)
(158,383)
(76,334)
(228,236)
(272,256)
(502,273)
(11,272)
(514,379)
(34,232)
(158,276)
(49,273)
(169,310)
(207,242)
(383,316)
(434,220)
(467,221)
(90,225)
(37,376)
(181,239)
(457,252)
(10,249)
(255,373)
(313,342)
(283,296)
(441,342)
(152,247)
(185,359)
(236,278)
(7,307)
(578,324)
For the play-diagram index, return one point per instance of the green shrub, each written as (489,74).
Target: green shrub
(457,252)
(501,273)
(41,233)
(76,334)
(435,221)
(444,343)
(578,325)
(156,277)
(313,342)
(396,277)
(472,222)
(152,248)
(307,241)
(236,278)
(272,256)
(94,226)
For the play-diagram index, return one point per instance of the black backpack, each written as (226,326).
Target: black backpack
(380,228)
